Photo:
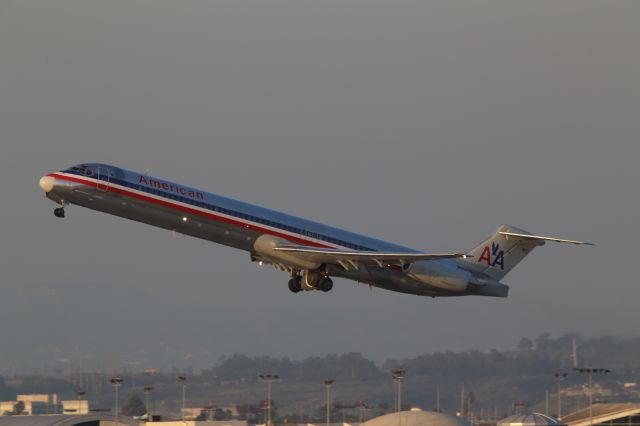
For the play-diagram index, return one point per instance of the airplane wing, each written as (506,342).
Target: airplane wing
(349,258)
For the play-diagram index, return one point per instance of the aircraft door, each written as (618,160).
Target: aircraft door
(104,177)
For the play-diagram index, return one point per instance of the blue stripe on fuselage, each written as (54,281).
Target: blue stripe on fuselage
(248,212)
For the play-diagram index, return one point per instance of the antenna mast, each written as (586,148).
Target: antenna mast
(574,353)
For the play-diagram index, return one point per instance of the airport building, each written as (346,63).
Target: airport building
(96,419)
(33,404)
(417,417)
(102,419)
(44,404)
(414,417)
(531,419)
(622,414)
(75,406)
(78,413)
(197,423)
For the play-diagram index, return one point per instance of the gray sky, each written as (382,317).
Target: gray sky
(426,123)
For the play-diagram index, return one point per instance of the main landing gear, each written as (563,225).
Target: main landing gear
(295,284)
(59,212)
(310,281)
(325,284)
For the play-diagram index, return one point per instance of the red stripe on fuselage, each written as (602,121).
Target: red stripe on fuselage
(164,203)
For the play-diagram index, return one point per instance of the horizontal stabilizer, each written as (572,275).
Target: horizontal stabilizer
(540,238)
(503,250)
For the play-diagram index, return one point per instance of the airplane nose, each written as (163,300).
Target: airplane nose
(47,183)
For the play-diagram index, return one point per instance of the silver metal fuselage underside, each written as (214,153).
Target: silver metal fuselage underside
(107,199)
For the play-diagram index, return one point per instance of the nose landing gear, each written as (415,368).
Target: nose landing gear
(59,212)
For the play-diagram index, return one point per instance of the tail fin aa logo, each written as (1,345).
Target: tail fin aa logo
(493,256)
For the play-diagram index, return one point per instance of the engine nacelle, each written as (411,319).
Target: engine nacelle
(264,247)
(438,276)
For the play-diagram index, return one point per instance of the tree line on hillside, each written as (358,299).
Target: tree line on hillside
(350,366)
(540,355)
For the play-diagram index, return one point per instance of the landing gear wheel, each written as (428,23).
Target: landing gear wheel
(325,284)
(59,212)
(295,285)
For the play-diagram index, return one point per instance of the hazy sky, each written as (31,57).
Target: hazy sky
(426,123)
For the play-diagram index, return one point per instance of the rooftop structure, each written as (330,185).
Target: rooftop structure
(627,414)
(197,423)
(66,420)
(417,417)
(75,406)
(529,419)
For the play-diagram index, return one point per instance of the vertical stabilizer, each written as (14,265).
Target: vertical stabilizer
(500,253)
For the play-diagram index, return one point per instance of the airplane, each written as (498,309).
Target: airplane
(310,252)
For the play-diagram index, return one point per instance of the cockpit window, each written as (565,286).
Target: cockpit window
(81,169)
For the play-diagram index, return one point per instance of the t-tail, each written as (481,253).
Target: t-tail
(501,252)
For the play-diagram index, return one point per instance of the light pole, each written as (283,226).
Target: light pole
(546,402)
(559,378)
(183,380)
(147,391)
(116,382)
(327,386)
(80,394)
(398,375)
(591,372)
(268,378)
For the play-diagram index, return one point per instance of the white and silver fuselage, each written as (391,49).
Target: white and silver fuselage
(233,223)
